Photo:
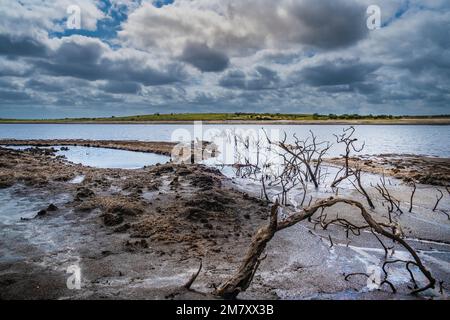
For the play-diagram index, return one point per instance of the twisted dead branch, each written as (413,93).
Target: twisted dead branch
(438,199)
(393,203)
(359,187)
(188,284)
(308,152)
(347,139)
(240,281)
(412,196)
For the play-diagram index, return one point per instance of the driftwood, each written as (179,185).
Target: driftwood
(412,196)
(241,280)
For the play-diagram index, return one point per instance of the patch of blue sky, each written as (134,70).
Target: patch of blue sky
(403,8)
(107,28)
(161,3)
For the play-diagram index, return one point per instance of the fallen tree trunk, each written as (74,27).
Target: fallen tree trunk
(243,277)
(241,280)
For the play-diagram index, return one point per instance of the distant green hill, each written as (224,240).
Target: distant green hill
(232,117)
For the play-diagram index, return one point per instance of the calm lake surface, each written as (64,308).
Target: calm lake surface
(430,140)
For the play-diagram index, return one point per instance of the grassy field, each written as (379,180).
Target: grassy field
(244,117)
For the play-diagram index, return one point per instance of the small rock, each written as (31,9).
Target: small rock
(41,213)
(52,207)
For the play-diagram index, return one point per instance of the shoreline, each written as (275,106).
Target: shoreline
(445,121)
(140,234)
(406,167)
(158,147)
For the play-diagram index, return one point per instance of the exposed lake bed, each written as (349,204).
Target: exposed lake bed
(140,233)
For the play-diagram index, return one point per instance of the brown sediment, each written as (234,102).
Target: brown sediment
(169,211)
(150,226)
(165,202)
(420,169)
(163,148)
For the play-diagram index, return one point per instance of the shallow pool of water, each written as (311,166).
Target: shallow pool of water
(106,158)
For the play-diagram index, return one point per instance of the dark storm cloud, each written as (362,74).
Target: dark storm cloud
(42,86)
(121,87)
(7,84)
(204,58)
(258,79)
(338,72)
(23,46)
(108,69)
(329,24)
(282,58)
(87,60)
(13,96)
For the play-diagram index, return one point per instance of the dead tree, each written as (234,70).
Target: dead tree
(359,187)
(438,199)
(292,176)
(241,280)
(412,196)
(347,139)
(308,152)
(393,203)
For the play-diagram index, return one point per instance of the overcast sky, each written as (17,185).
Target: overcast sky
(287,56)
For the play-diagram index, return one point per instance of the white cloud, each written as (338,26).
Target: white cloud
(229,55)
(28,17)
(243,27)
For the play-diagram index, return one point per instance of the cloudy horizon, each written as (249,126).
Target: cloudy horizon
(287,56)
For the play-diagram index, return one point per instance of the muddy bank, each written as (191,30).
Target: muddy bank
(164,148)
(420,169)
(141,233)
(122,223)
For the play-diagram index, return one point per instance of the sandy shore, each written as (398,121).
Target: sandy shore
(141,233)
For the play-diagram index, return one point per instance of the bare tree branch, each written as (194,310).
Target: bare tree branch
(240,280)
(438,199)
(412,196)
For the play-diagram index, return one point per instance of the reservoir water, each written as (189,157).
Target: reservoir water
(432,140)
